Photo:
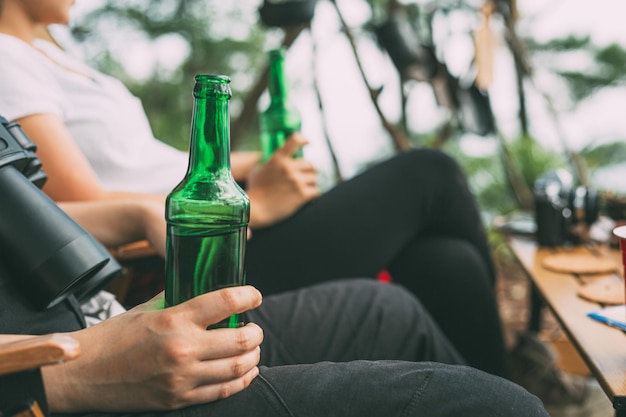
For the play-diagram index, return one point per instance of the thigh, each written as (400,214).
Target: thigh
(348,320)
(364,389)
(397,389)
(454,285)
(359,227)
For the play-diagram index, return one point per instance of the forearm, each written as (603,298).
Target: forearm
(242,162)
(8,338)
(261,214)
(98,379)
(70,385)
(119,222)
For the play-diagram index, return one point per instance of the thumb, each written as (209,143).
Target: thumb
(211,307)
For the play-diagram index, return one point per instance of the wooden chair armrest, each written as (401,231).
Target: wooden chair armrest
(135,250)
(37,351)
(138,259)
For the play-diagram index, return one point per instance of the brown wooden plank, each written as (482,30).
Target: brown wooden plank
(602,347)
(37,351)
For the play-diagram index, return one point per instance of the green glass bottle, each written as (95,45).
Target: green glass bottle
(280,119)
(207,213)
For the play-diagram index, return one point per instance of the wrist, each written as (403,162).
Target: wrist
(258,216)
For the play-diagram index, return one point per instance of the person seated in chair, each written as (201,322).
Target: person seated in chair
(412,215)
(343,348)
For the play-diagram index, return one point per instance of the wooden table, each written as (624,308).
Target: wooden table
(603,348)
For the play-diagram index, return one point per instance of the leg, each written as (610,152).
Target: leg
(456,291)
(361,226)
(397,215)
(348,320)
(353,319)
(536,308)
(364,389)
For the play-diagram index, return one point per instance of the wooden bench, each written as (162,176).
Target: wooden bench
(603,348)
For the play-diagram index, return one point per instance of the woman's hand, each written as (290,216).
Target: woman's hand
(281,186)
(151,358)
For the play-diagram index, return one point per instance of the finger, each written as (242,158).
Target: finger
(224,343)
(312,192)
(214,306)
(215,379)
(304,166)
(291,146)
(219,391)
(215,371)
(307,179)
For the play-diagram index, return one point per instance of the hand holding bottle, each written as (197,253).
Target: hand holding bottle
(281,185)
(155,358)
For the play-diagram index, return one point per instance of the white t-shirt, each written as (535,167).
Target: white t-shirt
(107,122)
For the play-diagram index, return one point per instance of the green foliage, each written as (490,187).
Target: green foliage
(607,69)
(220,38)
(603,155)
(489,176)
(169,111)
(569,43)
(531,159)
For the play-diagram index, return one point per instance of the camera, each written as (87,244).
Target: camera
(563,212)
(48,255)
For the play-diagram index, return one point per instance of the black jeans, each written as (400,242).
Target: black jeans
(412,215)
(356,349)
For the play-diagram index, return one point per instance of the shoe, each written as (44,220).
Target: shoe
(535,368)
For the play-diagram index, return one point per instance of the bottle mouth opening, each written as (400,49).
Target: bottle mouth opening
(214,78)
(212,85)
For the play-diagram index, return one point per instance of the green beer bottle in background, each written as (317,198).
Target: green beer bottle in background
(280,119)
(207,213)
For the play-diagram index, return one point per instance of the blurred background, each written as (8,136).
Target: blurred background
(513,88)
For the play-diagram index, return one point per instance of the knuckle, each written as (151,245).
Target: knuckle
(229,298)
(244,339)
(239,367)
(170,319)
(176,352)
(225,391)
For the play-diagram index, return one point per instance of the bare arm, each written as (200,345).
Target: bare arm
(242,162)
(70,175)
(8,338)
(151,358)
(118,222)
(276,188)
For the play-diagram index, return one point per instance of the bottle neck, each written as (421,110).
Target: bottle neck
(277,80)
(210,135)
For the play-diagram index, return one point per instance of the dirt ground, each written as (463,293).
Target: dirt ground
(513,297)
